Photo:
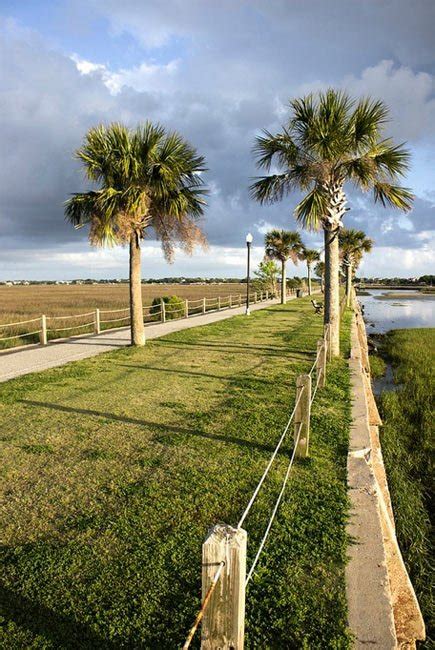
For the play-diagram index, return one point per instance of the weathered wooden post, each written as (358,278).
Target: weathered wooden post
(321,363)
(267,294)
(162,310)
(219,303)
(97,321)
(43,332)
(203,305)
(230,302)
(240,299)
(302,415)
(255,297)
(186,308)
(223,625)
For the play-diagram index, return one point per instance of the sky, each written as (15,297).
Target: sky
(218,72)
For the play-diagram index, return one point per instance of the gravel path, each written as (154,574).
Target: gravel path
(34,358)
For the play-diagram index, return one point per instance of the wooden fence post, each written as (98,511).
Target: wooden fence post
(255,297)
(267,294)
(321,363)
(97,321)
(203,305)
(186,308)
(163,310)
(223,625)
(240,299)
(302,415)
(219,303)
(43,332)
(230,302)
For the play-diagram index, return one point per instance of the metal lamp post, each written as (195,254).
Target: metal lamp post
(249,239)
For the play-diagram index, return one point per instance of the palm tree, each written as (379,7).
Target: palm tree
(353,244)
(328,141)
(147,179)
(319,270)
(283,245)
(309,255)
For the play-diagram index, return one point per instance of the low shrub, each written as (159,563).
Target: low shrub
(174,308)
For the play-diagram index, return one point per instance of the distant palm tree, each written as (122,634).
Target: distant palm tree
(309,255)
(283,245)
(148,179)
(353,244)
(319,270)
(328,141)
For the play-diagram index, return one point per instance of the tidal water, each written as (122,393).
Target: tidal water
(387,309)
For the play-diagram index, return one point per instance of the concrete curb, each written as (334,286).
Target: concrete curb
(382,605)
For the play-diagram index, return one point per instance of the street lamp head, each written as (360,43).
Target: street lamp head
(249,238)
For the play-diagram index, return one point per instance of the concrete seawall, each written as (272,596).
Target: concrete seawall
(383,608)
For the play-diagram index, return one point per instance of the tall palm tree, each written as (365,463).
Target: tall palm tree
(328,141)
(148,181)
(319,270)
(309,255)
(283,245)
(353,244)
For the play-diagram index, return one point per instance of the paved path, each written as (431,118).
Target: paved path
(35,358)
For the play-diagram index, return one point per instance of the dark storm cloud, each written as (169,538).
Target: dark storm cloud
(234,66)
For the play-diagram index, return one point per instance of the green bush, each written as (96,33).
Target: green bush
(174,308)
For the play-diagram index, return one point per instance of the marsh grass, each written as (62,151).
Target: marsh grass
(20,303)
(407,439)
(116,466)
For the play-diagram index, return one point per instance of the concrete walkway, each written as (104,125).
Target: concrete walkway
(34,358)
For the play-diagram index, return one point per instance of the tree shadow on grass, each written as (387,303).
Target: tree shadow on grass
(207,375)
(59,630)
(233,348)
(161,429)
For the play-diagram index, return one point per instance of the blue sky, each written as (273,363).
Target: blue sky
(217,72)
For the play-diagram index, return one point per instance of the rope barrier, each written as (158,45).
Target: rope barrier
(89,313)
(266,471)
(278,501)
(67,329)
(115,320)
(18,336)
(204,604)
(23,322)
(114,311)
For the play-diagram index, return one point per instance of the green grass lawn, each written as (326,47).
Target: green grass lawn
(408,448)
(115,468)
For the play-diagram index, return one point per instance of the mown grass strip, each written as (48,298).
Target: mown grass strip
(116,467)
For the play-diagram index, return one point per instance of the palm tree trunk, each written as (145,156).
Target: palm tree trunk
(283,284)
(348,283)
(332,288)
(309,279)
(136,311)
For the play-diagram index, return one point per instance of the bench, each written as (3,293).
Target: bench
(318,306)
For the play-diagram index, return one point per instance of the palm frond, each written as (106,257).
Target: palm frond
(393,195)
(312,209)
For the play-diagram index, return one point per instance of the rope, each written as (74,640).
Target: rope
(89,313)
(23,322)
(18,336)
(67,329)
(114,311)
(204,604)
(315,389)
(278,501)
(115,320)
(266,471)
